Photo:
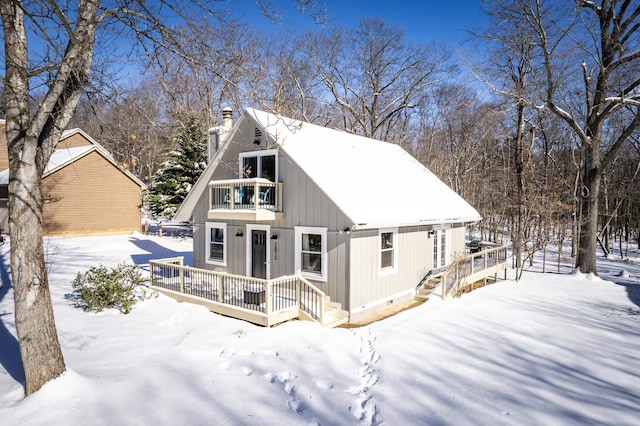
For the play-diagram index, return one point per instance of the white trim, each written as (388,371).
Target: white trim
(382,301)
(249,256)
(299,230)
(260,153)
(207,246)
(437,244)
(389,270)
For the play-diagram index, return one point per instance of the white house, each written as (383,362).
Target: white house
(360,219)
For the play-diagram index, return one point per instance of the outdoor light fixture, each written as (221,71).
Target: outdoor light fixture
(274,237)
(239,234)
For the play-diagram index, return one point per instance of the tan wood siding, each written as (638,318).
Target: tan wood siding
(90,195)
(73,141)
(4,153)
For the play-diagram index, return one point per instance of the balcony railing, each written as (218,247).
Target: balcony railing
(250,199)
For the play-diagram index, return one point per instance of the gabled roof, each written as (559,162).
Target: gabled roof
(376,184)
(62,157)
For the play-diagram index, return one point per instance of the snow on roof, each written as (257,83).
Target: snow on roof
(374,183)
(58,159)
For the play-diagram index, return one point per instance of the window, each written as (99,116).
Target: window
(388,250)
(260,164)
(311,252)
(216,243)
(440,248)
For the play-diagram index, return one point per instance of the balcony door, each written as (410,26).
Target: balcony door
(259,164)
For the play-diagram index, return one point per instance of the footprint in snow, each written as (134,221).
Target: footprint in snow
(324,385)
(225,366)
(296,405)
(247,371)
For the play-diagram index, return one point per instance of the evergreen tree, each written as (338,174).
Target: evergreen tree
(176,176)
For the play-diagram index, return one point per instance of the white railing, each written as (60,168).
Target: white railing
(251,194)
(268,297)
(471,268)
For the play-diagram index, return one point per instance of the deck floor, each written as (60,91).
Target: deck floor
(386,313)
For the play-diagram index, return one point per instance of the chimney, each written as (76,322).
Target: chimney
(218,135)
(227,117)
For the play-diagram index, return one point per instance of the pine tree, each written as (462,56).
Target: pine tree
(173,181)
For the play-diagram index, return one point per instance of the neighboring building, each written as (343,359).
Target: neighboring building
(85,190)
(359,218)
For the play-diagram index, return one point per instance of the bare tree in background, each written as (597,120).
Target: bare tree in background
(590,57)
(67,36)
(376,77)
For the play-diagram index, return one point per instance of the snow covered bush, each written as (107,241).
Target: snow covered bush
(100,288)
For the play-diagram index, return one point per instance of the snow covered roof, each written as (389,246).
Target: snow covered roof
(375,183)
(65,156)
(62,157)
(59,159)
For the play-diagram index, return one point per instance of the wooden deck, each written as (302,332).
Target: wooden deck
(262,302)
(464,272)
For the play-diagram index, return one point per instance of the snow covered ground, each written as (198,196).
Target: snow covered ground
(553,349)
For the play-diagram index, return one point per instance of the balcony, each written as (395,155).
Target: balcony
(245,199)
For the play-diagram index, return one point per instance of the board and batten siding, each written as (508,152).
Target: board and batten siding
(370,288)
(89,196)
(304,204)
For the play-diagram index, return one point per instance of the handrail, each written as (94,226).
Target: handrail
(266,296)
(464,267)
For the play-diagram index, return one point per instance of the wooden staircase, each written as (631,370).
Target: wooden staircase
(426,286)
(332,315)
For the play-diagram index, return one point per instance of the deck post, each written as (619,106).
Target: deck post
(181,269)
(221,281)
(267,300)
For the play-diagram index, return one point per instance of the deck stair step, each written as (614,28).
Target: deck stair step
(425,290)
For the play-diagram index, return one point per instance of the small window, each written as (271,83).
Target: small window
(388,250)
(216,243)
(311,252)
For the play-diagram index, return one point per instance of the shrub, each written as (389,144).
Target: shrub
(100,288)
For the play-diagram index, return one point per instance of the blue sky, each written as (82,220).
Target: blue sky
(421,20)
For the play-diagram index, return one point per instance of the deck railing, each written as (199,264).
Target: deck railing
(251,194)
(267,297)
(471,268)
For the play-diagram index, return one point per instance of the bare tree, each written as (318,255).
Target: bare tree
(590,54)
(68,35)
(376,77)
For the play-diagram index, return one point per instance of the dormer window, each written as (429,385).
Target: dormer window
(259,164)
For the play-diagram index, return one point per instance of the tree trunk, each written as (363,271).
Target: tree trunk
(586,259)
(31,139)
(35,325)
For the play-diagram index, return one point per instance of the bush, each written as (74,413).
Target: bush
(100,288)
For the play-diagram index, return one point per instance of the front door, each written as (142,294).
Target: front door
(259,254)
